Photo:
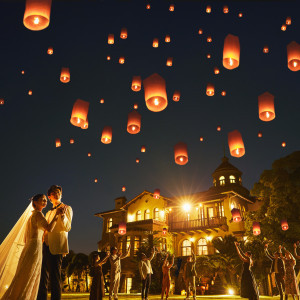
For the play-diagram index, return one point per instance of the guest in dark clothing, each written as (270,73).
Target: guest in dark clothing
(278,268)
(248,284)
(97,289)
(189,275)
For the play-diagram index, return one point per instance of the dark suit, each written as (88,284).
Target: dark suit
(280,274)
(189,275)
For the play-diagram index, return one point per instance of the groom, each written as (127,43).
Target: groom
(55,245)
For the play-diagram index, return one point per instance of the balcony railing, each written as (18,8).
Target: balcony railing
(198,224)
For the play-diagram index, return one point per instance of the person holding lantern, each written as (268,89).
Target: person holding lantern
(189,275)
(115,271)
(166,282)
(248,284)
(278,268)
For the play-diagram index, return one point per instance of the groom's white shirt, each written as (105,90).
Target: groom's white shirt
(58,238)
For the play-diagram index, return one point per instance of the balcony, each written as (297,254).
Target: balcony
(199,225)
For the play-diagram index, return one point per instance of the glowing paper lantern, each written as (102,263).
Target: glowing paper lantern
(181,154)
(50,51)
(167,39)
(236,144)
(108,57)
(102,101)
(123,34)
(155,43)
(208,55)
(218,128)
(30,92)
(156,194)
(148,6)
(85,124)
(22,72)
(283,27)
(284,225)
(266,109)
(256,228)
(122,60)
(122,228)
(143,149)
(216,70)
(259,134)
(65,75)
(164,231)
(57,143)
(106,136)
(123,189)
(155,93)
(231,52)
(176,96)
(266,49)
(293,56)
(79,112)
(1,101)
(225,9)
(72,141)
(137,160)
(283,144)
(236,215)
(208,9)
(136,84)
(288,21)
(240,15)
(89,154)
(169,61)
(210,89)
(171,8)
(201,139)
(134,122)
(95,180)
(223,93)
(209,39)
(37,14)
(110,39)
(135,106)
(200,31)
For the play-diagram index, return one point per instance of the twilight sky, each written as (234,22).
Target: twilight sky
(78,32)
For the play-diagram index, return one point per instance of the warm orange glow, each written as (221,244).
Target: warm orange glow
(231,52)
(122,60)
(1,101)
(209,39)
(136,84)
(95,180)
(236,144)
(156,194)
(22,72)
(155,93)
(155,43)
(223,93)
(169,61)
(123,34)
(148,6)
(208,9)
(89,154)
(50,51)
(65,75)
(122,228)
(201,139)
(240,15)
(266,109)
(218,128)
(123,188)
(259,134)
(30,92)
(164,231)
(57,143)
(200,31)
(102,101)
(216,70)
(85,124)
(236,215)
(283,27)
(256,228)
(143,149)
(135,106)
(72,141)
(288,21)
(167,39)
(293,56)
(137,160)
(181,153)
(79,112)
(284,225)
(266,49)
(176,96)
(210,89)
(106,135)
(225,9)
(108,57)
(171,8)
(208,55)
(283,144)
(111,39)
(37,14)
(134,122)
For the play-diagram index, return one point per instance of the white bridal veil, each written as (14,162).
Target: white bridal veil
(11,249)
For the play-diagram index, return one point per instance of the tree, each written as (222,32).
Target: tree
(65,262)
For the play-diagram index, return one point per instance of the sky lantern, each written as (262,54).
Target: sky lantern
(22,72)
(137,160)
(108,57)
(2,101)
(136,84)
(223,93)
(169,61)
(123,189)
(164,231)
(208,55)
(200,31)
(209,39)
(156,194)
(256,228)
(171,8)
(236,144)
(219,128)
(210,89)
(135,106)
(155,93)
(111,39)
(231,52)
(89,154)
(123,34)
(181,154)
(72,141)
(201,139)
(37,14)
(106,136)
(266,109)
(155,43)
(101,101)
(266,49)
(259,134)
(284,225)
(288,21)
(65,75)
(293,56)
(134,122)
(236,215)
(225,9)
(85,124)
(122,228)
(143,149)
(283,144)
(167,39)
(79,112)
(30,92)
(57,143)
(176,96)
(216,70)
(95,180)
(50,51)
(240,15)
(283,27)
(122,60)
(208,9)
(148,6)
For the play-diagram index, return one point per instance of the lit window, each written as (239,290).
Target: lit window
(127,242)
(109,224)
(147,214)
(221,210)
(186,248)
(222,180)
(137,242)
(202,247)
(233,205)
(138,215)
(120,244)
(232,179)
(156,213)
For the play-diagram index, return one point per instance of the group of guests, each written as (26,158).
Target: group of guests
(282,267)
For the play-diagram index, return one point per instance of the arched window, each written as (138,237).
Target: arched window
(147,214)
(202,247)
(186,248)
(232,179)
(156,213)
(222,180)
(109,224)
(138,215)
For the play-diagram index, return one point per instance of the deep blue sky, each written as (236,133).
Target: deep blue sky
(78,31)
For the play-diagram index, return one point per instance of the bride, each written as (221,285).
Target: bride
(20,274)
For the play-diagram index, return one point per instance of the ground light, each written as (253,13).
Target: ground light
(230,291)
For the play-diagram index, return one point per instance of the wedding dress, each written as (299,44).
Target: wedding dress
(25,283)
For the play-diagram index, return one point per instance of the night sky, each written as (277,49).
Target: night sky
(78,32)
